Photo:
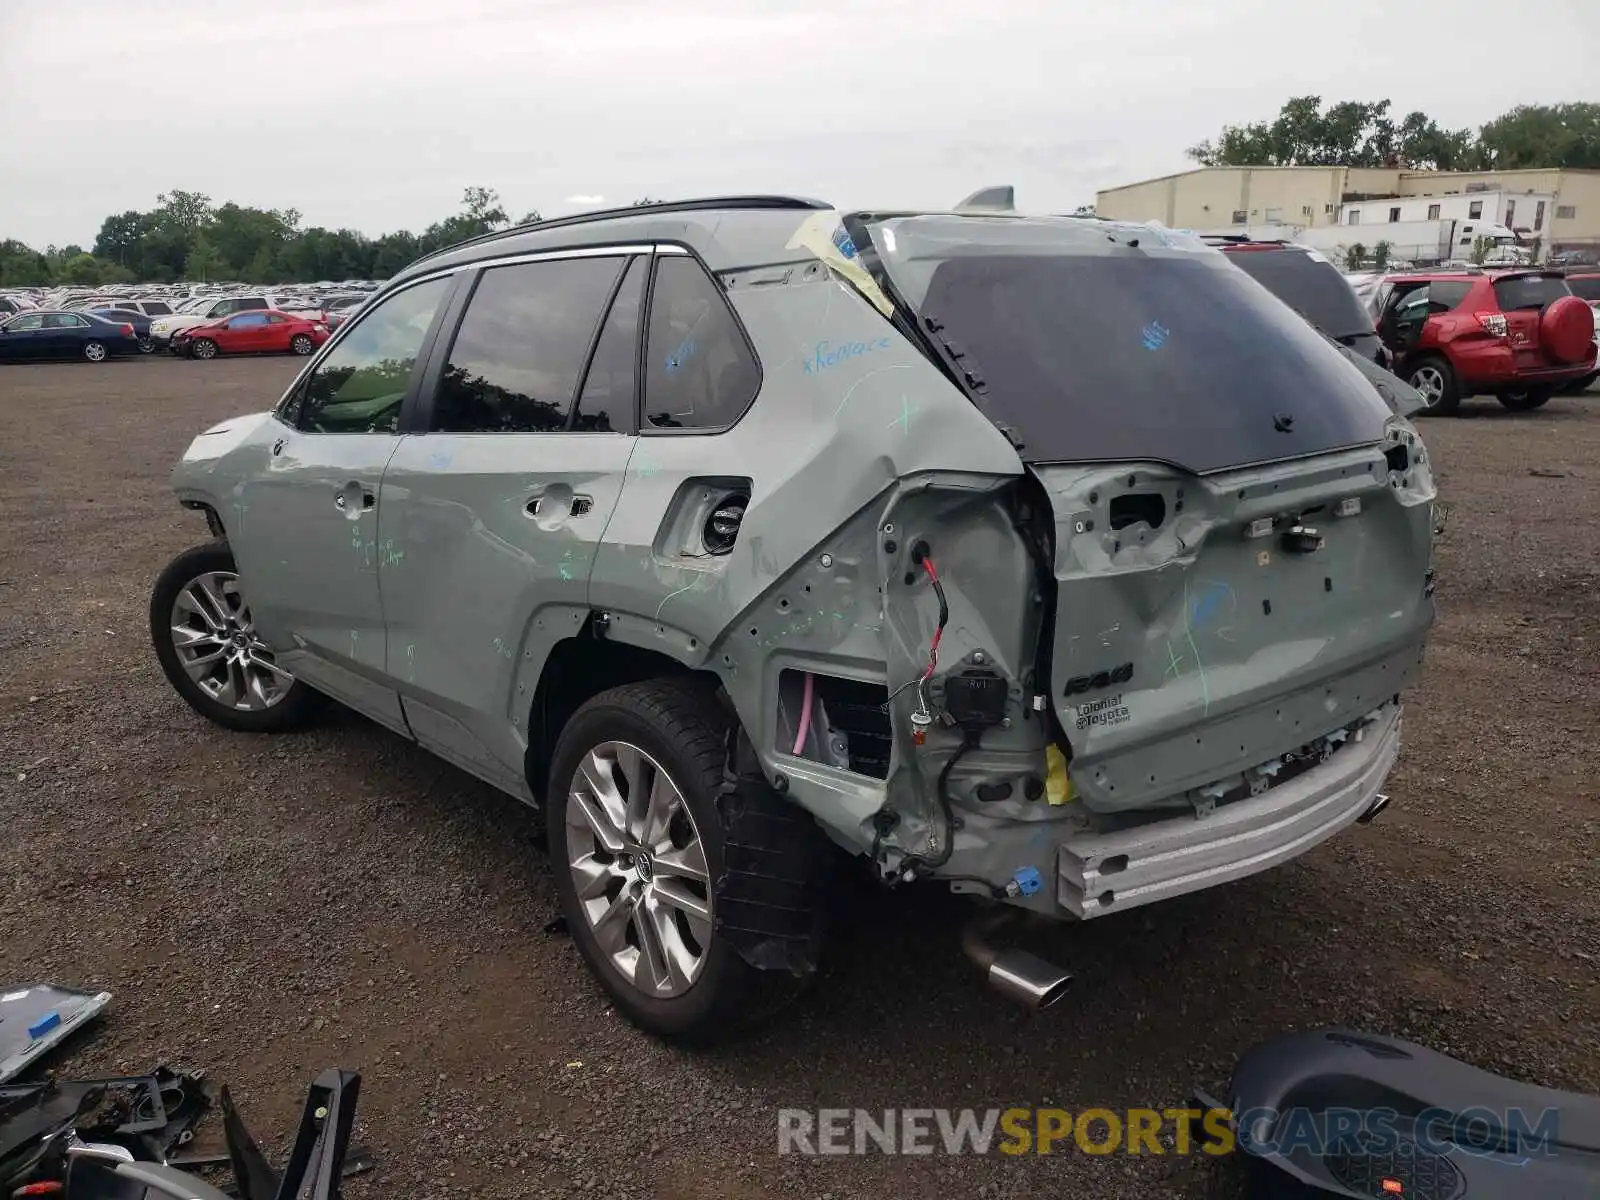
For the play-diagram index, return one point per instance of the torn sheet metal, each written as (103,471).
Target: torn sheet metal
(37,1018)
(823,234)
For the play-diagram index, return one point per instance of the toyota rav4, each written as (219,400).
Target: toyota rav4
(1518,335)
(1053,559)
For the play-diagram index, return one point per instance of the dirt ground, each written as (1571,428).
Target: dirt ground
(267,907)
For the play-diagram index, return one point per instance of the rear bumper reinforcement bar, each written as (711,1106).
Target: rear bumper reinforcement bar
(1100,873)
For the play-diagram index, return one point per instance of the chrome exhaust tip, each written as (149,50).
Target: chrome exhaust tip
(1028,979)
(1015,974)
(1379,803)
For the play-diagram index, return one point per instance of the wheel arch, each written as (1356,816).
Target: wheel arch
(580,667)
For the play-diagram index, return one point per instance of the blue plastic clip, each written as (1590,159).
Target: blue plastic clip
(44,1024)
(1028,880)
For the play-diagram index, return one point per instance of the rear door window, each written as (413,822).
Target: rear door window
(1529,291)
(515,361)
(699,370)
(1586,287)
(1092,348)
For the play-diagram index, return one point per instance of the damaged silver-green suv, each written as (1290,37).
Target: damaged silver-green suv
(1052,558)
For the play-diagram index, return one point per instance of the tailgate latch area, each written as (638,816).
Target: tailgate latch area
(1302,539)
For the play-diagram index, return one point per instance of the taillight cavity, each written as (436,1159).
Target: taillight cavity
(1494,322)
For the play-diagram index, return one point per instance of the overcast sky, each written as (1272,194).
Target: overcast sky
(375,114)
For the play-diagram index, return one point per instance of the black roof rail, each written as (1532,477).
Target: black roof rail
(702,204)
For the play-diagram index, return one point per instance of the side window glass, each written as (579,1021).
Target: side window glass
(699,373)
(359,387)
(606,405)
(248,321)
(220,309)
(514,365)
(254,302)
(26,323)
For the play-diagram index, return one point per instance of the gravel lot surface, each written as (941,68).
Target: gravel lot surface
(267,907)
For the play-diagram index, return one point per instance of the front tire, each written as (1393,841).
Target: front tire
(1433,377)
(94,351)
(208,648)
(203,348)
(301,344)
(1526,400)
(636,846)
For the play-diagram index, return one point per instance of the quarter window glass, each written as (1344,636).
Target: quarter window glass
(359,387)
(699,373)
(1445,294)
(514,365)
(606,405)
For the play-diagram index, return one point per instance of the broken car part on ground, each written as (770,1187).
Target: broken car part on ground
(115,1138)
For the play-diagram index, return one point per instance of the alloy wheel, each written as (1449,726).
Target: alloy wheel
(639,868)
(218,646)
(94,352)
(1429,380)
(301,344)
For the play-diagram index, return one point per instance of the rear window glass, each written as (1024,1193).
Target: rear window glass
(1093,349)
(1529,291)
(1586,288)
(1445,294)
(1310,286)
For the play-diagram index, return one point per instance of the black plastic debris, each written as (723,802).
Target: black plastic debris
(36,1018)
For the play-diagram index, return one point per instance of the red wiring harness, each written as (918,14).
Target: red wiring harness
(944,614)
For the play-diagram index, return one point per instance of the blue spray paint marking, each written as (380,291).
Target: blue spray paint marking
(440,460)
(390,557)
(681,355)
(504,650)
(822,358)
(1207,604)
(411,663)
(645,466)
(1155,335)
(843,243)
(565,568)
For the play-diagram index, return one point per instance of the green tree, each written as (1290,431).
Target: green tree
(482,205)
(1349,133)
(1084,210)
(1480,249)
(1543,135)
(1354,256)
(531,217)
(203,261)
(1380,256)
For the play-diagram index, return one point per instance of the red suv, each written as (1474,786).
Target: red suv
(1517,335)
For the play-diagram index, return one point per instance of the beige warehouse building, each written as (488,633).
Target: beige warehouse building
(1214,197)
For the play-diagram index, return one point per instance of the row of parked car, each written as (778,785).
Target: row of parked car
(202,326)
(1520,334)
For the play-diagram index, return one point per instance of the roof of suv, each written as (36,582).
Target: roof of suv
(695,222)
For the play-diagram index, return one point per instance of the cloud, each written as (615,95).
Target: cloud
(586,200)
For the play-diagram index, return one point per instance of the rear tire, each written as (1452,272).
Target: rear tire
(94,351)
(1526,400)
(1434,378)
(204,640)
(147,346)
(679,729)
(301,344)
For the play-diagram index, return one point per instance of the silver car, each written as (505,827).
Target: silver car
(1052,559)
